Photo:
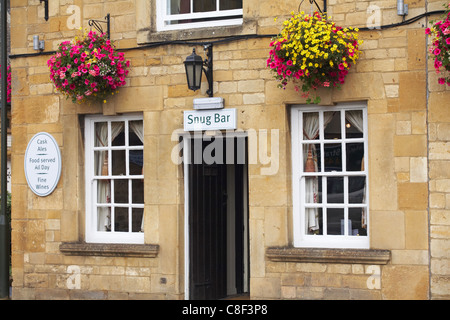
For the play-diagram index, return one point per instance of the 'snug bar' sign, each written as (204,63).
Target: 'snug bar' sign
(198,120)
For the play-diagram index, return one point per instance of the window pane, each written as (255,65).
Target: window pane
(333,157)
(118,162)
(137,215)
(178,6)
(136,162)
(101,134)
(356,189)
(313,190)
(311,158)
(311,126)
(121,219)
(354,124)
(230,4)
(357,218)
(204,5)
(335,190)
(335,221)
(103,191)
(313,220)
(355,154)
(332,121)
(103,219)
(117,135)
(137,193)
(101,163)
(120,191)
(135,133)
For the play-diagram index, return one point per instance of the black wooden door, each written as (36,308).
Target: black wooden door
(207,233)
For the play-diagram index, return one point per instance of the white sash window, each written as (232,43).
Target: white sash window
(185,14)
(330,176)
(114,179)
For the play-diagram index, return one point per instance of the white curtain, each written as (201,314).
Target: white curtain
(138,129)
(103,186)
(355,117)
(311,132)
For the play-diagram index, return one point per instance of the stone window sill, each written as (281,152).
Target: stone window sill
(319,255)
(109,249)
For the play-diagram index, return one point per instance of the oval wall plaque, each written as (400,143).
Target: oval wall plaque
(42,164)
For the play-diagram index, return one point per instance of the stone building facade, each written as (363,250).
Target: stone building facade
(406,136)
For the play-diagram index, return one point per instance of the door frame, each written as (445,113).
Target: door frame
(188,137)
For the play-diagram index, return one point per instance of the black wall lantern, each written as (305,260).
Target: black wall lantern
(194,65)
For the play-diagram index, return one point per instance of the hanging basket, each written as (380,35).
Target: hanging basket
(440,48)
(312,51)
(88,69)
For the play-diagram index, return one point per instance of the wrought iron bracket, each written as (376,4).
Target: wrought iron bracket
(318,7)
(46,8)
(96,24)
(208,63)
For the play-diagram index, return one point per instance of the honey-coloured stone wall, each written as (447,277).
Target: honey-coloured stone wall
(408,154)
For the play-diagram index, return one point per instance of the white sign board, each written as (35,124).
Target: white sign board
(42,164)
(199,120)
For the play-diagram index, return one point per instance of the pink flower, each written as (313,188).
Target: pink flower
(437,51)
(427,31)
(341,66)
(437,64)
(447,41)
(289,63)
(441,80)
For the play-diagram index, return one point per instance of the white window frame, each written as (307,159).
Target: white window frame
(164,18)
(92,234)
(301,238)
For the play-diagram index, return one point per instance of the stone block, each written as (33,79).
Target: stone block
(410,257)
(405,282)
(251,86)
(416,230)
(440,248)
(265,288)
(439,150)
(139,99)
(410,146)
(416,52)
(418,123)
(412,196)
(383,195)
(439,169)
(418,169)
(412,91)
(438,107)
(387,230)
(275,227)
